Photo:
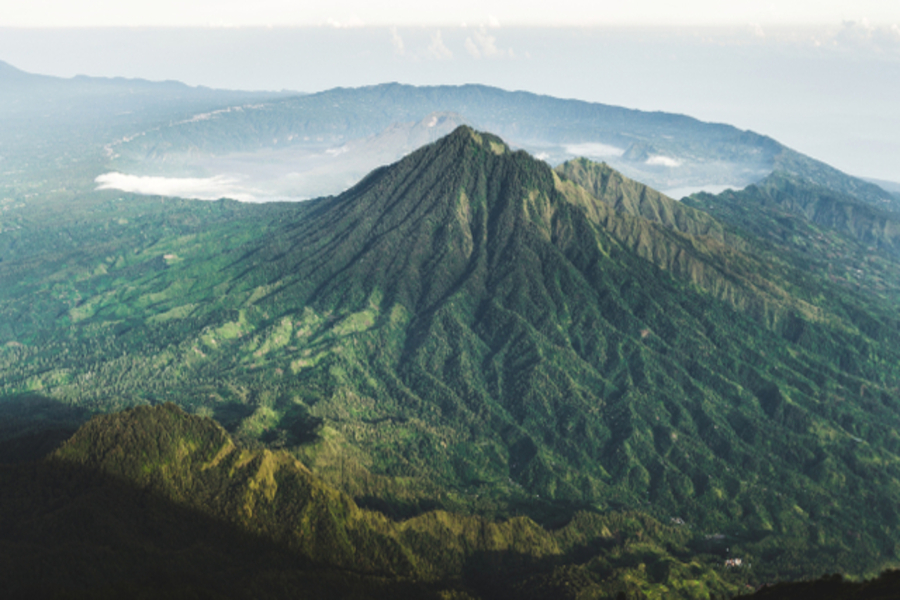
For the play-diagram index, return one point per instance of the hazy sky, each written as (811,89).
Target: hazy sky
(822,77)
(92,13)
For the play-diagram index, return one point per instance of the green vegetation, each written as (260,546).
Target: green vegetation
(499,356)
(834,587)
(164,469)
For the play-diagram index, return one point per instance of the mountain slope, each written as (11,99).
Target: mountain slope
(841,248)
(468,329)
(870,225)
(692,245)
(631,197)
(130,488)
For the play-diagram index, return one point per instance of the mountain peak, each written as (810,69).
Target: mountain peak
(486,140)
(422,224)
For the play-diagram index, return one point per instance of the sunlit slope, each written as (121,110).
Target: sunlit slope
(155,490)
(467,328)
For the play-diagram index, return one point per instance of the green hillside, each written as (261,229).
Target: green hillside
(870,224)
(833,587)
(471,331)
(157,491)
(842,250)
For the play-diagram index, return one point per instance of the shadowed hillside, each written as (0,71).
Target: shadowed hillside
(157,503)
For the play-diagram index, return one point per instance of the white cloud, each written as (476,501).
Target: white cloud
(206,188)
(862,35)
(482,44)
(593,150)
(471,48)
(397,42)
(663,161)
(757,30)
(353,21)
(437,49)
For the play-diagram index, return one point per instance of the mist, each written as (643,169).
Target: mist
(829,93)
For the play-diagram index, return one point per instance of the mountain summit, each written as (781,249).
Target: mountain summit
(484,321)
(470,329)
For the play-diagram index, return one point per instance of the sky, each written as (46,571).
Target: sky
(821,77)
(112,13)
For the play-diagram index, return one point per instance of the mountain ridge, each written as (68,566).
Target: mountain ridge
(309,534)
(468,330)
(663,150)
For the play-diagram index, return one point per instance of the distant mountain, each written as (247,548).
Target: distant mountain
(872,225)
(890,186)
(472,330)
(285,145)
(294,172)
(26,94)
(50,125)
(669,152)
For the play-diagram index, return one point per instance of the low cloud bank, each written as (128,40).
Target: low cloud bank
(664,161)
(206,188)
(593,150)
(711,188)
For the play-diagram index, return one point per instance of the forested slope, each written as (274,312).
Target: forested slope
(471,331)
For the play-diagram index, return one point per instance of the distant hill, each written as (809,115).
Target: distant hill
(665,151)
(25,94)
(290,172)
(287,145)
(872,225)
(53,125)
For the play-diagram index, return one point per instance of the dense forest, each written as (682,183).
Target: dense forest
(470,375)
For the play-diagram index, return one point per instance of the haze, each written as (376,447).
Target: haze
(350,13)
(820,77)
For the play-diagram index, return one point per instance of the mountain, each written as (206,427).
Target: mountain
(633,198)
(29,95)
(54,130)
(468,329)
(284,145)
(872,225)
(67,132)
(889,186)
(669,152)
